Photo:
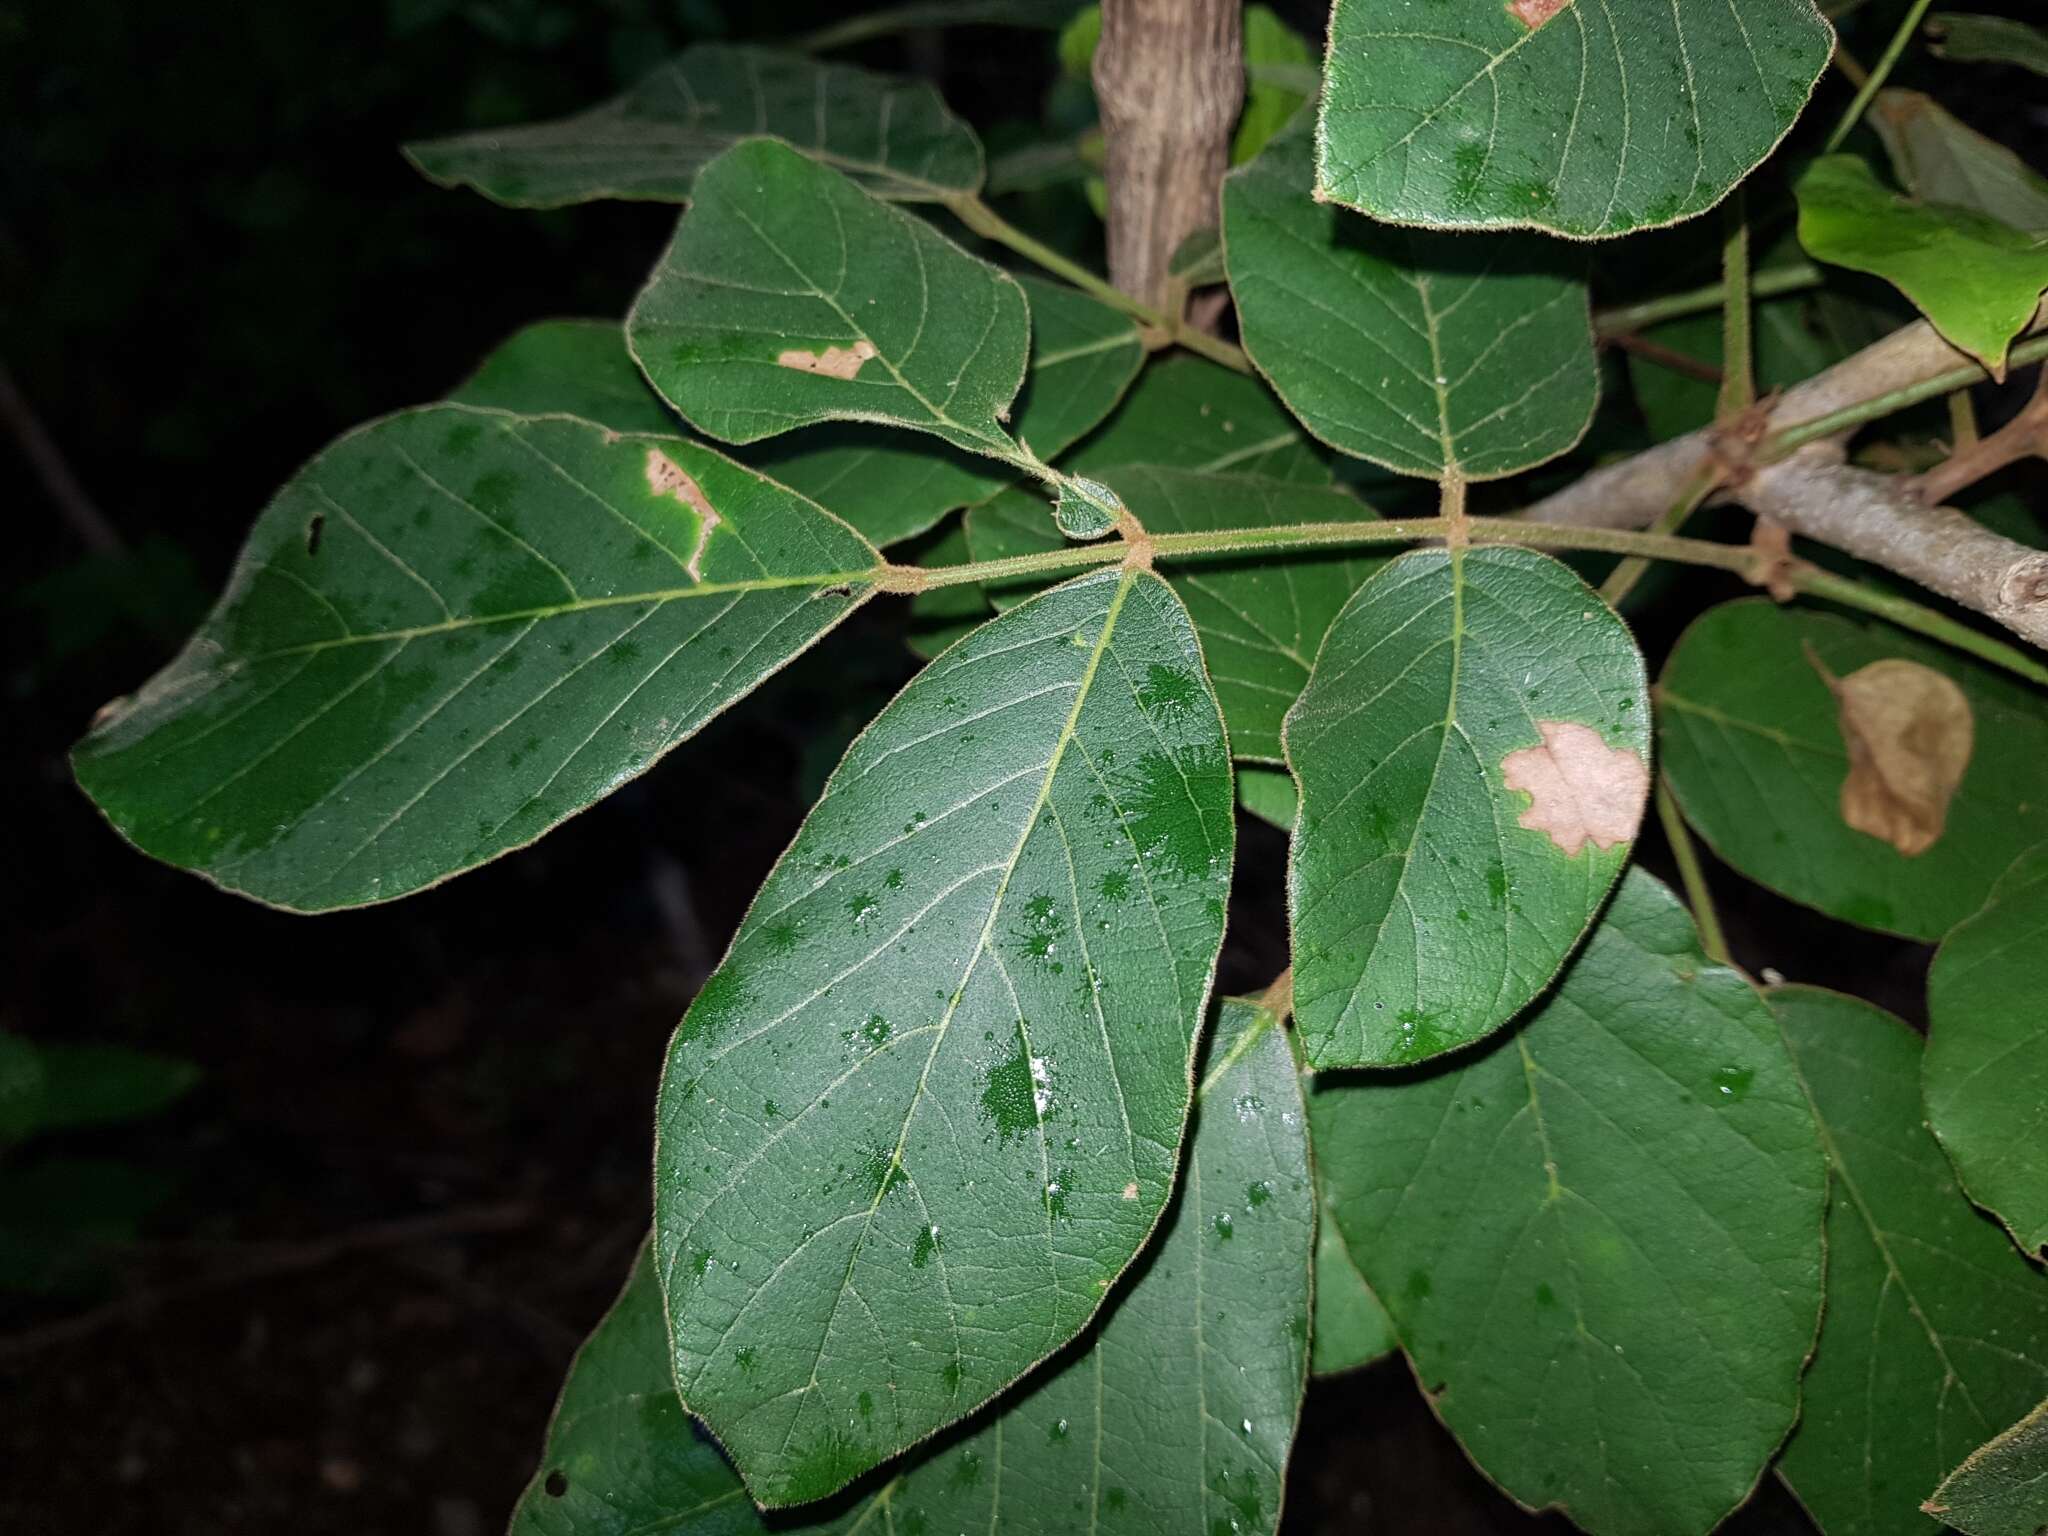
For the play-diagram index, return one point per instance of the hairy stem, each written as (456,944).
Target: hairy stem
(1693,301)
(1738,365)
(1622,579)
(1697,894)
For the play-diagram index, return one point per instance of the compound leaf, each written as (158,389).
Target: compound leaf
(1260,616)
(1750,737)
(894,136)
(1424,353)
(1084,355)
(790,296)
(1936,1331)
(1175,1413)
(1473,755)
(1986,1069)
(1977,280)
(929,1105)
(1599,1238)
(1588,119)
(448,632)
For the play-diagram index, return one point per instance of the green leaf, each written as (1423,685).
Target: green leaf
(571,368)
(2001,1489)
(895,136)
(1260,617)
(1202,1348)
(1975,279)
(1748,735)
(1599,1238)
(1473,751)
(1940,159)
(1268,104)
(107,1084)
(1351,1328)
(1425,353)
(1195,414)
(1988,40)
(1936,1333)
(789,296)
(1084,355)
(1583,119)
(1198,260)
(928,1107)
(1986,1070)
(1269,794)
(451,630)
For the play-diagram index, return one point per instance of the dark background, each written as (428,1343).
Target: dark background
(356,1258)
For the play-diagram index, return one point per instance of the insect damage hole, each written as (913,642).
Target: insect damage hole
(1533,13)
(1580,789)
(833,362)
(665,477)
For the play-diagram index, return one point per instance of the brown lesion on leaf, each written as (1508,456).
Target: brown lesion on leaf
(1533,13)
(833,362)
(1580,789)
(665,477)
(1909,732)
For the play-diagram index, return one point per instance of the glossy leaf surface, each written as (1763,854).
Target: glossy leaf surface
(1749,736)
(895,136)
(1441,870)
(1174,1414)
(790,296)
(1586,119)
(1084,355)
(1936,1331)
(2001,1489)
(449,631)
(929,1106)
(1977,280)
(1425,353)
(572,368)
(1986,1073)
(1599,1238)
(1260,616)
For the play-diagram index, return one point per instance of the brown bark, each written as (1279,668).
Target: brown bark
(1169,77)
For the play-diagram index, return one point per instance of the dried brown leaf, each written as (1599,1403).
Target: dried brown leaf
(1909,733)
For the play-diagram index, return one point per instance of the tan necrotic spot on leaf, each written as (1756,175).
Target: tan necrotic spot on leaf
(1580,789)
(1909,734)
(1533,13)
(665,477)
(833,362)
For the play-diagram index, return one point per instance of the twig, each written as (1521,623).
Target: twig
(54,470)
(1622,579)
(1671,306)
(1738,366)
(2024,437)
(1690,873)
(1664,357)
(272,1260)
(1876,77)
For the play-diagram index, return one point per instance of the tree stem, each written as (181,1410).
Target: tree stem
(1800,433)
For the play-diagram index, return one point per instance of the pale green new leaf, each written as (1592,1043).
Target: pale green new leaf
(1599,1238)
(1260,616)
(1941,159)
(1973,39)
(1748,733)
(1426,353)
(1936,1332)
(1175,1414)
(1590,119)
(894,135)
(1195,414)
(1977,280)
(449,631)
(789,296)
(1986,1072)
(929,1105)
(569,368)
(1084,355)
(2001,1489)
(1472,750)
